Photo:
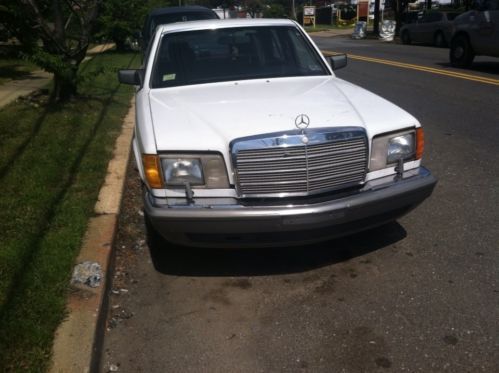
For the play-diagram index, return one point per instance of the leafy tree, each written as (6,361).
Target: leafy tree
(274,11)
(54,34)
(120,19)
(253,7)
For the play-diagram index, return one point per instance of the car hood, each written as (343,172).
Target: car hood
(209,116)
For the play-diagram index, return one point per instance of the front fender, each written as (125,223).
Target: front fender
(138,158)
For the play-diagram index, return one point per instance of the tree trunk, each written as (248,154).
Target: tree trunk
(64,85)
(398,15)
(376,16)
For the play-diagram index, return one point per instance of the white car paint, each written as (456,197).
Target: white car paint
(206,117)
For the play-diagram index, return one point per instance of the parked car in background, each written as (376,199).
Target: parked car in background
(162,16)
(432,27)
(475,33)
(245,137)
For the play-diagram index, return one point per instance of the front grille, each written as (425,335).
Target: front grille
(284,165)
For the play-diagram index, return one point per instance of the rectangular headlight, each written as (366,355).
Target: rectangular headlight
(400,147)
(202,170)
(388,149)
(179,171)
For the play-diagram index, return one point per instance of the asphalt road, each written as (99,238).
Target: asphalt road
(420,295)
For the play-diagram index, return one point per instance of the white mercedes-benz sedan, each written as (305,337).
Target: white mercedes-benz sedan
(245,137)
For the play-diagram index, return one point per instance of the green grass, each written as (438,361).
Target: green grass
(53,160)
(326,28)
(14,68)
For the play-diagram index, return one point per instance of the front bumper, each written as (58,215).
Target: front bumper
(377,203)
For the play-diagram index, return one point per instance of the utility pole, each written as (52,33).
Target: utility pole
(293,11)
(376,17)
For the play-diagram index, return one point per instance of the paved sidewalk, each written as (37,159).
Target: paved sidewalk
(13,89)
(98,49)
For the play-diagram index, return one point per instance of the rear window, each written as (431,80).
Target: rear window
(207,56)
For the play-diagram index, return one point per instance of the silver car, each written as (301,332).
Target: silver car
(475,33)
(431,28)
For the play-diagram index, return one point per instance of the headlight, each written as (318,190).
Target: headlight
(204,170)
(181,170)
(388,149)
(400,147)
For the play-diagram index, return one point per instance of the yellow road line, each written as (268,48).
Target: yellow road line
(453,74)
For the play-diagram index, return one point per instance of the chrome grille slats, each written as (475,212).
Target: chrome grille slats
(333,159)
(271,177)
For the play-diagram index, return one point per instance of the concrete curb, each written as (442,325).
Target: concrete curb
(76,339)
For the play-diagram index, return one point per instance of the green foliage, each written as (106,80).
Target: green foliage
(274,11)
(120,19)
(253,7)
(47,61)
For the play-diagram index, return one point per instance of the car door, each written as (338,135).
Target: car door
(433,23)
(417,29)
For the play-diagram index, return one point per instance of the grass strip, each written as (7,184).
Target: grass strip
(53,160)
(319,28)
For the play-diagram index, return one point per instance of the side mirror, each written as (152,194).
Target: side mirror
(131,77)
(337,62)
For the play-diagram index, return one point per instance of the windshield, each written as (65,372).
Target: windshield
(207,56)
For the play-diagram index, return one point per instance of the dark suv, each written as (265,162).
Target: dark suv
(163,16)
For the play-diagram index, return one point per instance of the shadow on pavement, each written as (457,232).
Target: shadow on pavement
(488,67)
(184,261)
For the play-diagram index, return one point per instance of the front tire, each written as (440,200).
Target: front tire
(461,53)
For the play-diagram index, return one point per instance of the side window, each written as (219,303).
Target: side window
(433,17)
(425,18)
(437,17)
(302,49)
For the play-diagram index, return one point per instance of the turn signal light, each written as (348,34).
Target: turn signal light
(419,143)
(152,170)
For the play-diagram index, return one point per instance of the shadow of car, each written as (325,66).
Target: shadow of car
(188,261)
(433,27)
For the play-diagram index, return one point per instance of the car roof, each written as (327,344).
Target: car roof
(224,23)
(179,9)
